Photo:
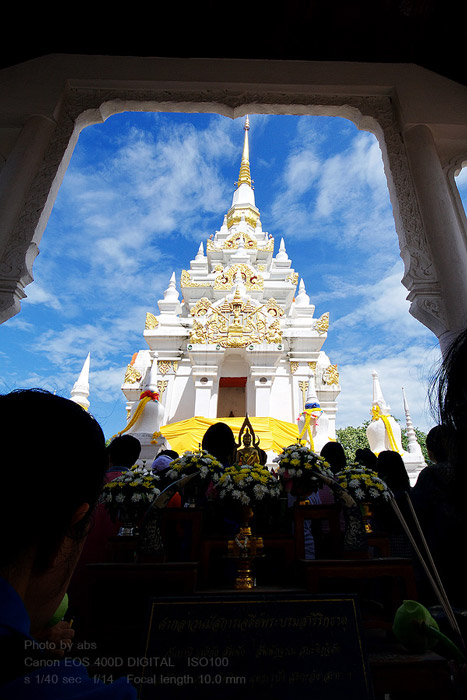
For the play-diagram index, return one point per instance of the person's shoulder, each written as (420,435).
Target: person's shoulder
(427,475)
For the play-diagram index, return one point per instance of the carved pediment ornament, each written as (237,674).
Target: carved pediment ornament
(132,375)
(322,324)
(273,308)
(232,242)
(234,324)
(251,279)
(293,278)
(331,375)
(151,322)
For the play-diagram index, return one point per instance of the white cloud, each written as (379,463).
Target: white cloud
(383,305)
(38,294)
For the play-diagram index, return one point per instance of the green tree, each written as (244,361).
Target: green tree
(353,439)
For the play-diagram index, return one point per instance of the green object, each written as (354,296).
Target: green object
(60,612)
(416,629)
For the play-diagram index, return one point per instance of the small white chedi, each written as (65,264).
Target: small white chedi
(384,432)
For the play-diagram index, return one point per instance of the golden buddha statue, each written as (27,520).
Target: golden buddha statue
(248,454)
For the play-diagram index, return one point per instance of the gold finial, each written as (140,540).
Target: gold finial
(244,175)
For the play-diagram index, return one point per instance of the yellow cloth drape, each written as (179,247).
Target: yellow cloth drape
(376,415)
(306,428)
(188,434)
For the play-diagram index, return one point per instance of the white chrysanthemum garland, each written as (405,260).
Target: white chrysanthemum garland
(298,466)
(363,484)
(132,492)
(190,462)
(246,485)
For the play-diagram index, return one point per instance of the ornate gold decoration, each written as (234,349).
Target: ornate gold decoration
(186,281)
(303,386)
(236,324)
(251,279)
(235,216)
(312,366)
(322,324)
(261,268)
(269,245)
(210,245)
(293,367)
(151,322)
(274,333)
(175,366)
(273,308)
(164,366)
(218,268)
(232,242)
(201,307)
(331,375)
(132,375)
(161,387)
(293,278)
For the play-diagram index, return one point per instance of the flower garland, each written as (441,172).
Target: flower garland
(132,492)
(298,466)
(248,484)
(190,462)
(363,484)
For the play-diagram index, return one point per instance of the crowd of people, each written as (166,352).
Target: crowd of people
(50,496)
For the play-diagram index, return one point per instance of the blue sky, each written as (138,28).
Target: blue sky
(144,189)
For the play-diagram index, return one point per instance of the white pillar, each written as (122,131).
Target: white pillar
(16,178)
(263,386)
(442,226)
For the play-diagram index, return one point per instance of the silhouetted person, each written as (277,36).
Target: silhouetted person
(219,441)
(45,510)
(334,454)
(439,496)
(123,452)
(366,457)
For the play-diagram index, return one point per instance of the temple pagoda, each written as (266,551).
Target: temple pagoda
(241,339)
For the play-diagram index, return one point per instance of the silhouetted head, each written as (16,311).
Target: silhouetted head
(53,461)
(219,441)
(391,469)
(436,444)
(367,457)
(333,452)
(448,399)
(123,451)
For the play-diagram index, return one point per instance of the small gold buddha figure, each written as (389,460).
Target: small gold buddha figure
(248,454)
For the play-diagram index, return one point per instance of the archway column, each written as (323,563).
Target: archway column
(17,253)
(443,230)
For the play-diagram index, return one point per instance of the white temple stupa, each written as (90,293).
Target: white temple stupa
(384,432)
(238,340)
(80,391)
(242,341)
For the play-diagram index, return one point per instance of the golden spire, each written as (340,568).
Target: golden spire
(244,175)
